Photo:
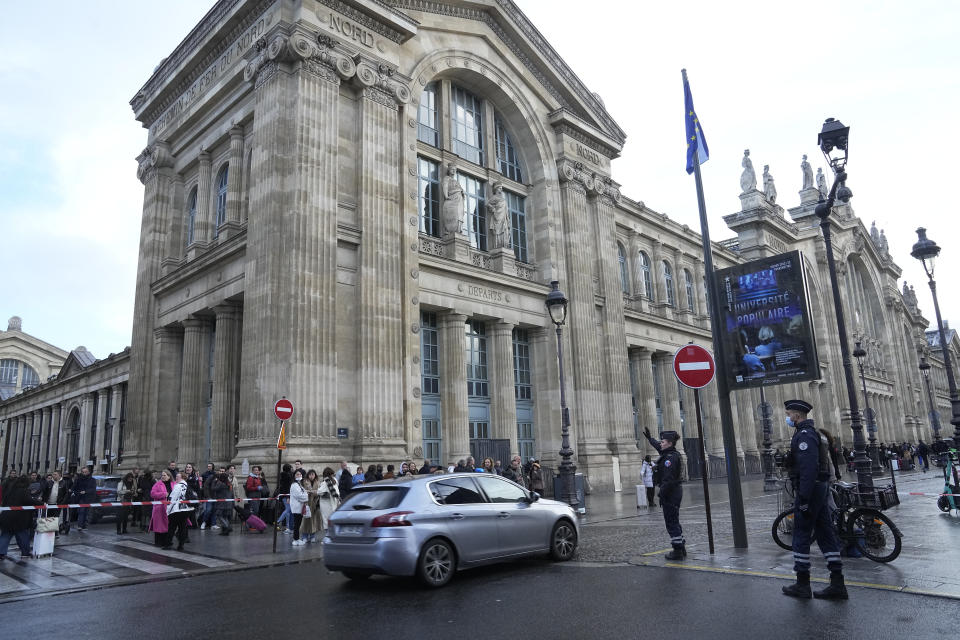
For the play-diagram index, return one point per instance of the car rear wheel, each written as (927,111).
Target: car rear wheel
(437,563)
(356,575)
(563,541)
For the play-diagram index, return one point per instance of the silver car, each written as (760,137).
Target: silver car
(430,526)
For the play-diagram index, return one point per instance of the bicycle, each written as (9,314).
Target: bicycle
(858,521)
(947,454)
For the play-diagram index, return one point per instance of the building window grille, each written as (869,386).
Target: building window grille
(525,440)
(429,353)
(516,205)
(508,161)
(427,130)
(521,365)
(467,125)
(429,190)
(477,380)
(432,439)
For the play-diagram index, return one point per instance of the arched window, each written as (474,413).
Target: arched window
(508,162)
(221,196)
(688,283)
(427,130)
(624,274)
(668,283)
(645,275)
(30,377)
(466,125)
(191,215)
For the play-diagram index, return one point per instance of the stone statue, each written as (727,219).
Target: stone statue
(769,190)
(498,229)
(913,300)
(821,184)
(807,173)
(874,234)
(452,212)
(748,179)
(883,242)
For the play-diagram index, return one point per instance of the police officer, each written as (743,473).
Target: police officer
(667,475)
(810,474)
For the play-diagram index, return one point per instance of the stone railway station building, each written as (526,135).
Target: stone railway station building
(359,205)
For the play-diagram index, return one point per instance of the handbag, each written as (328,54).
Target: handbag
(48,524)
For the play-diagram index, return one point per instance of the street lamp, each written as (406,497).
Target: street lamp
(926,251)
(557,307)
(934,414)
(859,353)
(834,143)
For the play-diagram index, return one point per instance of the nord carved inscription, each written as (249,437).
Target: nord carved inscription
(351,31)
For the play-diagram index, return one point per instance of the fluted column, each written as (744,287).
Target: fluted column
(44,455)
(164,433)
(100,423)
(546,393)
(644,394)
(669,396)
(503,399)
(381,325)
(453,380)
(234,175)
(57,439)
(86,417)
(192,431)
(204,223)
(24,437)
(156,172)
(226,377)
(116,397)
(290,300)
(17,456)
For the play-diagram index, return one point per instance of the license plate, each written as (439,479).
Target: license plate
(349,529)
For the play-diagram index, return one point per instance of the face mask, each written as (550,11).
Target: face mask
(790,422)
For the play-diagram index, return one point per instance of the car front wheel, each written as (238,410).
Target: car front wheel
(437,563)
(563,541)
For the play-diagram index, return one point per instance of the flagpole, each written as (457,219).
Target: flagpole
(723,390)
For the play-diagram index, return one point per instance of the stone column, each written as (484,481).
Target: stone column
(156,173)
(192,428)
(204,223)
(163,442)
(22,442)
(503,401)
(99,426)
(234,178)
(57,443)
(656,273)
(669,393)
(44,455)
(453,381)
(17,455)
(645,394)
(226,376)
(86,411)
(116,396)
(381,371)
(294,167)
(546,393)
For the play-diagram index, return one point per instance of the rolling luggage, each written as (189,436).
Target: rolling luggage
(256,523)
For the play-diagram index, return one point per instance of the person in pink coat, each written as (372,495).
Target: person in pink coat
(158,519)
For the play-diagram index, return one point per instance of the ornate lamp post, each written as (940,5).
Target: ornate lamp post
(859,353)
(557,307)
(926,251)
(834,141)
(934,414)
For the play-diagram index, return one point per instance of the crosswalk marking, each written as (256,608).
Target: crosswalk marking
(179,555)
(8,584)
(78,572)
(33,574)
(146,566)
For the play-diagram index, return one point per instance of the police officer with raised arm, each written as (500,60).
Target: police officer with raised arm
(668,476)
(811,474)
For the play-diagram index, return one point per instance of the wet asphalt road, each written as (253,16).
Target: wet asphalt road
(530,599)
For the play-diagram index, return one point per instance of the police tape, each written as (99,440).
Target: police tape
(89,505)
(933,495)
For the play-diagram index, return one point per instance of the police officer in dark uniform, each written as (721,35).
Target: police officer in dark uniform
(811,474)
(668,476)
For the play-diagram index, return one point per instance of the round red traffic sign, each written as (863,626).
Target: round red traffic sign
(283,409)
(694,366)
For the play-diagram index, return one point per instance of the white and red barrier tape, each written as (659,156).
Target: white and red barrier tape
(85,505)
(934,495)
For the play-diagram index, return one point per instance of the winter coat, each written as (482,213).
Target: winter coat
(311,525)
(646,472)
(346,484)
(158,518)
(298,500)
(85,489)
(178,494)
(13,521)
(536,478)
(329,499)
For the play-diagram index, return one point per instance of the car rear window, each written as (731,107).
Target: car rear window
(374,498)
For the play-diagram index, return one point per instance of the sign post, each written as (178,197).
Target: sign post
(695,368)
(283,409)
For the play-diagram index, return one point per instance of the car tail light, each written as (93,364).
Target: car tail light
(394,519)
(103,493)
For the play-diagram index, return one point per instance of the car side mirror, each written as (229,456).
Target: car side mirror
(534,496)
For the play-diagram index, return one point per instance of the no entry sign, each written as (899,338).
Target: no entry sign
(694,366)
(283,409)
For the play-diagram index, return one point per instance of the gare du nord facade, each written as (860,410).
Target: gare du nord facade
(360,206)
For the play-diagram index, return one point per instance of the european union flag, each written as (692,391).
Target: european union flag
(696,142)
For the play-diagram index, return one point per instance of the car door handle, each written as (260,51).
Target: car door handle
(456,516)
(504,515)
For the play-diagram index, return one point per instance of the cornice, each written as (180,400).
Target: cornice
(594,184)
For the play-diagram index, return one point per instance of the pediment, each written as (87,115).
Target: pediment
(575,106)
(78,360)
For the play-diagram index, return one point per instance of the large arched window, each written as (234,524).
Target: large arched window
(221,197)
(688,284)
(624,274)
(645,275)
(446,106)
(191,215)
(668,283)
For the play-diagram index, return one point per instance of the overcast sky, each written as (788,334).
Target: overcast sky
(763,75)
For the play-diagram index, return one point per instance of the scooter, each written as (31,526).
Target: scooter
(946,451)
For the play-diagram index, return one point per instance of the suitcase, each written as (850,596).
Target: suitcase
(256,523)
(268,512)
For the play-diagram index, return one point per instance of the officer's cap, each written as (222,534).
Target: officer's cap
(672,436)
(798,405)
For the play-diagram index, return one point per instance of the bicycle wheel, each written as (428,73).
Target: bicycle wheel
(875,534)
(783,530)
